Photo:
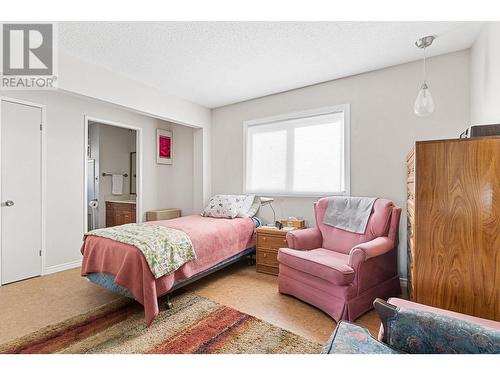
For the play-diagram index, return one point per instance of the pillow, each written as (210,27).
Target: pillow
(245,204)
(231,206)
(224,206)
(255,207)
(250,206)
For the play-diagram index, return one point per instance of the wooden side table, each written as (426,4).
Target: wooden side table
(269,240)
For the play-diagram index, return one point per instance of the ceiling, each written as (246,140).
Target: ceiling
(219,63)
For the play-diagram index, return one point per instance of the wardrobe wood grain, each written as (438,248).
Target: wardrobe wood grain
(454,262)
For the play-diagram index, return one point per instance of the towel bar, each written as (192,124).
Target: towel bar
(111,174)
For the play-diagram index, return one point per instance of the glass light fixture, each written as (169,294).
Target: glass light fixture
(424,104)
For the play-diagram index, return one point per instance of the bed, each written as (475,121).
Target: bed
(123,269)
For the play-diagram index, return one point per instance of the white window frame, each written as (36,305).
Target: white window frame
(345,108)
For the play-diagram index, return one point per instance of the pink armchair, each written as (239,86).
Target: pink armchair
(342,272)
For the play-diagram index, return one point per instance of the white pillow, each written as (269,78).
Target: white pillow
(252,210)
(224,206)
(231,206)
(246,203)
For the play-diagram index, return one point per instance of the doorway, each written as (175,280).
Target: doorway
(21,189)
(112,174)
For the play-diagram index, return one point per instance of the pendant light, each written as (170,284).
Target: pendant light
(424,104)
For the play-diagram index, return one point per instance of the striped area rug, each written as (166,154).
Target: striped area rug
(194,325)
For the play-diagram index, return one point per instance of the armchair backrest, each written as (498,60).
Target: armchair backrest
(383,221)
(423,330)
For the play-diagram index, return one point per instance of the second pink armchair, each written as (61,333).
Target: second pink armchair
(341,272)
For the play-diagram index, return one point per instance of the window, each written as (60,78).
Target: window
(303,153)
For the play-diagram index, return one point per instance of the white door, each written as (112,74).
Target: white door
(20,191)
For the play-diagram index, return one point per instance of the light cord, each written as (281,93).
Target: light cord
(425,68)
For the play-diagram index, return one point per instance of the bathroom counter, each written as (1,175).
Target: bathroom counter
(119,201)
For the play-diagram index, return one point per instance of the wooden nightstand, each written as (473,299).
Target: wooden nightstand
(269,240)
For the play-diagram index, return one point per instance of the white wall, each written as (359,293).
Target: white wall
(176,182)
(485,76)
(65,167)
(383,128)
(90,80)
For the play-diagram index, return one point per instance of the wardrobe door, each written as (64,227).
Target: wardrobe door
(457,256)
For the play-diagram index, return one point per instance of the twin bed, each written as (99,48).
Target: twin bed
(122,268)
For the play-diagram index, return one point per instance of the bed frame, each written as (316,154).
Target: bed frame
(108,281)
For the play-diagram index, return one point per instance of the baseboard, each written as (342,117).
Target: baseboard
(404,282)
(62,267)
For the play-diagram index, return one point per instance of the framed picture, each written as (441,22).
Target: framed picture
(164,146)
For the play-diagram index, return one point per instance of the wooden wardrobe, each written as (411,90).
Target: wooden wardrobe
(454,225)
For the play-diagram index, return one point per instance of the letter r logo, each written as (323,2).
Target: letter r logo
(27,49)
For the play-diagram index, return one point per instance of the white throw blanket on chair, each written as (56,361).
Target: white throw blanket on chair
(349,213)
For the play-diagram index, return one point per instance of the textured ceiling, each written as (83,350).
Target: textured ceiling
(219,63)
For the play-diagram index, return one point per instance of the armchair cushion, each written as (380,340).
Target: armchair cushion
(304,239)
(370,249)
(325,264)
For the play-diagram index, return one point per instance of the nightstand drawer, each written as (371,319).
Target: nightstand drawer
(267,269)
(267,257)
(127,207)
(271,242)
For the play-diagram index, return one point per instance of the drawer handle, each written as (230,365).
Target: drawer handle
(265,255)
(264,238)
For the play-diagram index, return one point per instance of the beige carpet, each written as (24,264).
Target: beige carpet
(194,325)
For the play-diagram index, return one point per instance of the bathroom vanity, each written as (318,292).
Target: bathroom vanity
(120,212)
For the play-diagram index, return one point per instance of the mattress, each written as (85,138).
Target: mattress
(108,281)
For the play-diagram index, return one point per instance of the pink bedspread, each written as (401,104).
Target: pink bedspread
(214,240)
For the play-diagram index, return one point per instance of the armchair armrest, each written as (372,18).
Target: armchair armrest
(370,249)
(349,338)
(304,239)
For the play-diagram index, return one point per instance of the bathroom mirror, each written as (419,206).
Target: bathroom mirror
(133,173)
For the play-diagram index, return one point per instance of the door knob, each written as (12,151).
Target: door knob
(9,203)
